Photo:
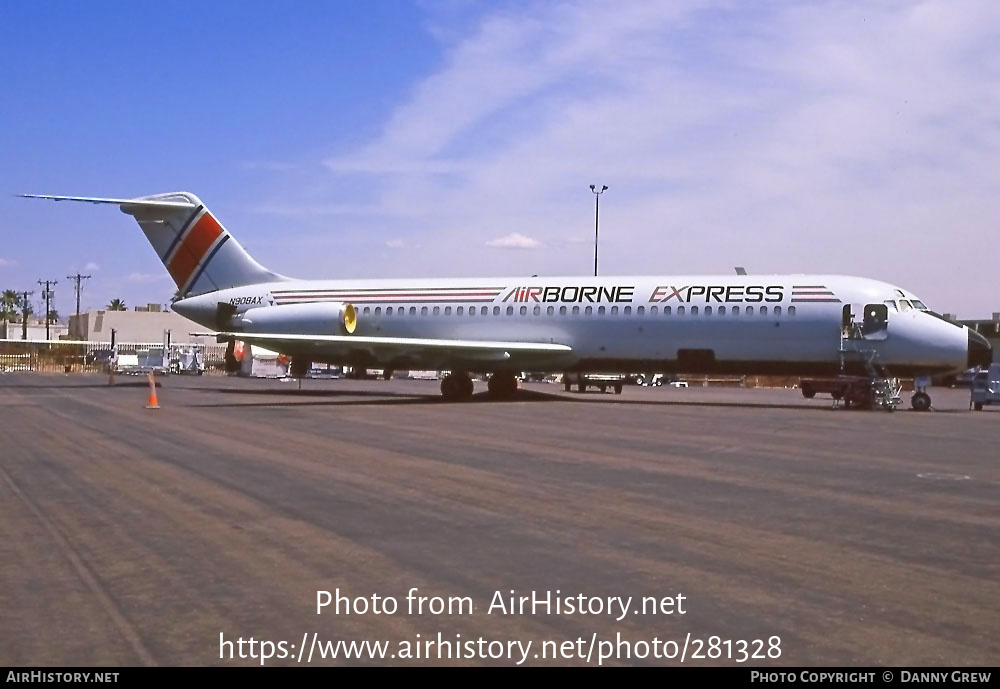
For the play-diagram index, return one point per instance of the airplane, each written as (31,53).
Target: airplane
(805,325)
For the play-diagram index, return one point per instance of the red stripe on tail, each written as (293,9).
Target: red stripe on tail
(194,247)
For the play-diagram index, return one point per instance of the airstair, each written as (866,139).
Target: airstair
(857,346)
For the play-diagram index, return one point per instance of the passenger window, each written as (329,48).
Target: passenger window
(694,310)
(708,310)
(537,311)
(576,310)
(589,310)
(640,311)
(777,310)
(423,310)
(562,310)
(680,310)
(378,310)
(791,310)
(496,310)
(437,310)
(459,311)
(447,310)
(763,310)
(614,310)
(749,310)
(722,310)
(652,310)
(628,311)
(600,310)
(510,310)
(549,311)
(666,310)
(524,310)
(472,310)
(483,312)
(367,310)
(413,310)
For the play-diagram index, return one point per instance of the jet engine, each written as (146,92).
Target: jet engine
(325,318)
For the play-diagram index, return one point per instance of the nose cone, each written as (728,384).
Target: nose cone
(980,352)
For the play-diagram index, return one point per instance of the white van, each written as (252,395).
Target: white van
(986,387)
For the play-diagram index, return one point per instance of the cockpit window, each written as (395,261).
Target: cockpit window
(917,304)
(890,304)
(904,305)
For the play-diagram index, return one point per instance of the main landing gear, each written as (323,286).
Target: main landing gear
(456,386)
(502,386)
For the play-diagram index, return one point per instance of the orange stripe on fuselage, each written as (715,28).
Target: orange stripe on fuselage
(193,248)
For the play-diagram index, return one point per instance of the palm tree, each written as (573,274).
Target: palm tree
(53,316)
(116,305)
(9,303)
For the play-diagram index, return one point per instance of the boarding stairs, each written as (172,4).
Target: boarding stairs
(886,390)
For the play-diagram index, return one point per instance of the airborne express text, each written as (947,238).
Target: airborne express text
(662,293)
(720,293)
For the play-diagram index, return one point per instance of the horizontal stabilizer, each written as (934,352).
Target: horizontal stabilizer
(118,202)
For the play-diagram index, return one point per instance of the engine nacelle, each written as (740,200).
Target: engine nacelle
(326,318)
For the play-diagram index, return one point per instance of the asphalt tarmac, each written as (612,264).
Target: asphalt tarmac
(134,536)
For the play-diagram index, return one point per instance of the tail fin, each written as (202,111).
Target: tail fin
(198,252)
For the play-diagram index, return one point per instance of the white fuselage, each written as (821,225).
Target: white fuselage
(729,324)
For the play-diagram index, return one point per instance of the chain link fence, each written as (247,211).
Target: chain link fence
(59,356)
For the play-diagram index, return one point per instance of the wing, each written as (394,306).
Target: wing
(385,348)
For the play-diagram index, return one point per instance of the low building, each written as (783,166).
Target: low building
(149,323)
(14,330)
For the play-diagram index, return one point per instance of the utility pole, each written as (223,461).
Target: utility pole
(597,216)
(78,279)
(24,314)
(48,294)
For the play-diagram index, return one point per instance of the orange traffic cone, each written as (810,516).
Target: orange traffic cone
(153,403)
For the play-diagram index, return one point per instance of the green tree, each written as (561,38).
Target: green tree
(116,305)
(10,302)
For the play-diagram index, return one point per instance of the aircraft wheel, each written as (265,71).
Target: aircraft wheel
(581,387)
(456,387)
(618,388)
(808,392)
(502,385)
(978,406)
(921,401)
(567,386)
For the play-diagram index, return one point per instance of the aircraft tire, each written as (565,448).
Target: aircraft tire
(921,401)
(502,386)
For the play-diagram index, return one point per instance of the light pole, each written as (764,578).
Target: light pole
(597,217)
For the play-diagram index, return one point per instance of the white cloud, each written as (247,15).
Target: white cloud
(92,267)
(514,240)
(823,137)
(7,263)
(145,278)
(398,244)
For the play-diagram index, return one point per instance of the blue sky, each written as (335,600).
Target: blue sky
(457,138)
